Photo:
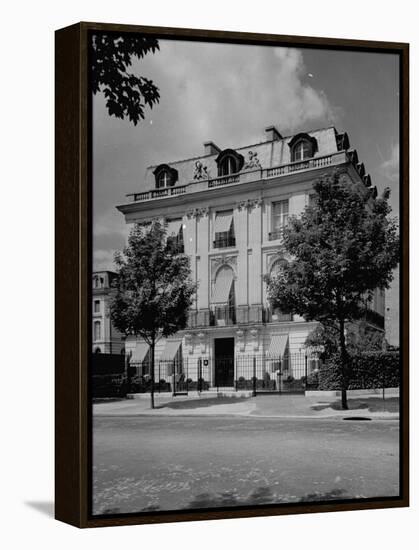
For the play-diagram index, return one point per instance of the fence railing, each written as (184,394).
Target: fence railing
(255,373)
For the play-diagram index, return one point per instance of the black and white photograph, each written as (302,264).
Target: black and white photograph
(245,274)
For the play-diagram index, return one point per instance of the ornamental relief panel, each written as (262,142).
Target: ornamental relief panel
(250,204)
(197,213)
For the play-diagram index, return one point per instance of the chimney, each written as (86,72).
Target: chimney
(211,149)
(272,134)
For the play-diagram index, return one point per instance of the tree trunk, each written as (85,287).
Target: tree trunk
(343,364)
(153,345)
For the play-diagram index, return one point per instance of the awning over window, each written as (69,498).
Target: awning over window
(278,345)
(173,227)
(222,287)
(170,350)
(140,352)
(223,221)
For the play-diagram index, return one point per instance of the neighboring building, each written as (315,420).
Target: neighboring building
(105,337)
(226,210)
(392,313)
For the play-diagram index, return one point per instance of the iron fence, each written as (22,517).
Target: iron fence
(258,373)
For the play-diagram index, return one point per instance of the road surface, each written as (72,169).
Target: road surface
(168,463)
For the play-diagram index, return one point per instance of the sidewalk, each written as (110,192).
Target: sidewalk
(263,406)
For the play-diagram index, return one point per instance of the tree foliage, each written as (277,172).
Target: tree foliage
(360,337)
(342,247)
(153,289)
(126,94)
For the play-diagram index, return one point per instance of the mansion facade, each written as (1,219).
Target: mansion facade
(105,337)
(226,210)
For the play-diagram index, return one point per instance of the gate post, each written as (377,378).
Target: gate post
(305,383)
(254,376)
(200,375)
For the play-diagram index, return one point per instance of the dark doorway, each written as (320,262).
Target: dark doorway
(224,362)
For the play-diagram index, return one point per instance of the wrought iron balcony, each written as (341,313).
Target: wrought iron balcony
(175,245)
(225,242)
(241,315)
(277,234)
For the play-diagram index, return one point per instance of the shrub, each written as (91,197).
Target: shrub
(368,370)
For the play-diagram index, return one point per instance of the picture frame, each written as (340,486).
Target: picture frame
(73,247)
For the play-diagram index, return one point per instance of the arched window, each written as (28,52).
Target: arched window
(165,175)
(227,167)
(301,151)
(276,269)
(223,297)
(229,162)
(302,147)
(163,180)
(97,330)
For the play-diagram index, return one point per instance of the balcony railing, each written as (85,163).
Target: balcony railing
(225,242)
(158,193)
(243,177)
(175,245)
(241,315)
(277,234)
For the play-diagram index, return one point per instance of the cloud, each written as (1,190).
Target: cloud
(390,167)
(103,260)
(222,92)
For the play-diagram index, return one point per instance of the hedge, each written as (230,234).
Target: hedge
(368,370)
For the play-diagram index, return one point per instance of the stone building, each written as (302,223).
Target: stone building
(226,210)
(105,337)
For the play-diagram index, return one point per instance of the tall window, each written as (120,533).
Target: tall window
(302,150)
(279,215)
(163,180)
(97,330)
(224,230)
(227,167)
(97,306)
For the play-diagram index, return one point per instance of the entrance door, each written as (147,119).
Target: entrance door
(224,362)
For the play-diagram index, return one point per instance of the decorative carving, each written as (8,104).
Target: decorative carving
(201,172)
(202,341)
(249,204)
(240,339)
(198,213)
(255,335)
(189,341)
(252,161)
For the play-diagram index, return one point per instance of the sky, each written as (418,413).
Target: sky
(228,94)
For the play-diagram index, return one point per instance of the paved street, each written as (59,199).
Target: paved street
(163,463)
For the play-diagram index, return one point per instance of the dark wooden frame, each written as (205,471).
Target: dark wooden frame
(73,266)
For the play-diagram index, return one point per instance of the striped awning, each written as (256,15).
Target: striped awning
(222,287)
(173,227)
(140,352)
(223,221)
(170,350)
(278,345)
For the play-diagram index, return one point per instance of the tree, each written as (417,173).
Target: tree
(342,247)
(154,290)
(126,94)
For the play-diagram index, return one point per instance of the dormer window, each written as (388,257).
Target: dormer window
(302,151)
(165,176)
(302,147)
(229,162)
(163,180)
